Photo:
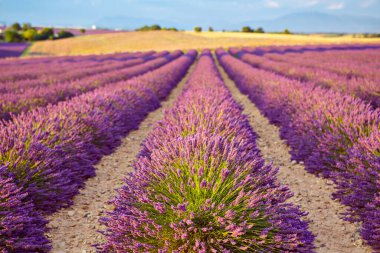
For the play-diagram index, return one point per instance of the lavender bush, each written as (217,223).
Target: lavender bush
(21,227)
(362,84)
(55,67)
(58,145)
(29,98)
(12,49)
(200,184)
(336,136)
(50,151)
(24,79)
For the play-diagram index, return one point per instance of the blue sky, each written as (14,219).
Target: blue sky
(180,13)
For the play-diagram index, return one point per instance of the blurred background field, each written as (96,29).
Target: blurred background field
(12,49)
(169,40)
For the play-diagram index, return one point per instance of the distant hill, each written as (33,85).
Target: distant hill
(316,22)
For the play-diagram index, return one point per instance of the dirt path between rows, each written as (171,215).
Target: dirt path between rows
(74,229)
(312,194)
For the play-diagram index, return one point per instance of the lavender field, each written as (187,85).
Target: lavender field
(8,50)
(246,149)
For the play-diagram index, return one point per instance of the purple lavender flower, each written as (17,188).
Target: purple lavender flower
(337,136)
(21,226)
(224,196)
(50,151)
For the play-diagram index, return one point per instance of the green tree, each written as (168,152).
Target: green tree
(64,34)
(16,26)
(30,34)
(286,31)
(155,28)
(12,36)
(149,28)
(26,26)
(210,29)
(197,29)
(83,31)
(45,33)
(246,29)
(259,30)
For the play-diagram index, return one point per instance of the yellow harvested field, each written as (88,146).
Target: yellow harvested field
(166,40)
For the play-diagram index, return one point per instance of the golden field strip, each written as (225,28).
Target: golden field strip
(166,40)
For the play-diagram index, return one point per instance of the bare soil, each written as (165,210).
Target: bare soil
(75,229)
(312,194)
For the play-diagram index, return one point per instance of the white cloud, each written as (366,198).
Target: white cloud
(312,2)
(273,4)
(336,6)
(367,3)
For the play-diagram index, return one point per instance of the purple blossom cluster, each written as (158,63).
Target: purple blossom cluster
(336,135)
(340,70)
(200,184)
(21,227)
(34,93)
(50,151)
(12,49)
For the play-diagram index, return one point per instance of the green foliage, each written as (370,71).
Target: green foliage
(286,31)
(169,29)
(259,30)
(26,26)
(16,27)
(367,35)
(83,31)
(26,32)
(30,34)
(12,36)
(45,33)
(197,29)
(155,27)
(246,29)
(210,29)
(64,34)
(149,28)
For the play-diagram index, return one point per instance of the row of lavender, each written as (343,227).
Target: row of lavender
(336,136)
(44,93)
(18,79)
(52,72)
(12,49)
(200,184)
(284,49)
(351,63)
(21,69)
(345,76)
(33,60)
(47,154)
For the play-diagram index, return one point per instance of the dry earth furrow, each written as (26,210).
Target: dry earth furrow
(74,229)
(312,194)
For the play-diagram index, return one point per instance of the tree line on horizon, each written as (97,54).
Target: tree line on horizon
(27,33)
(244,29)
